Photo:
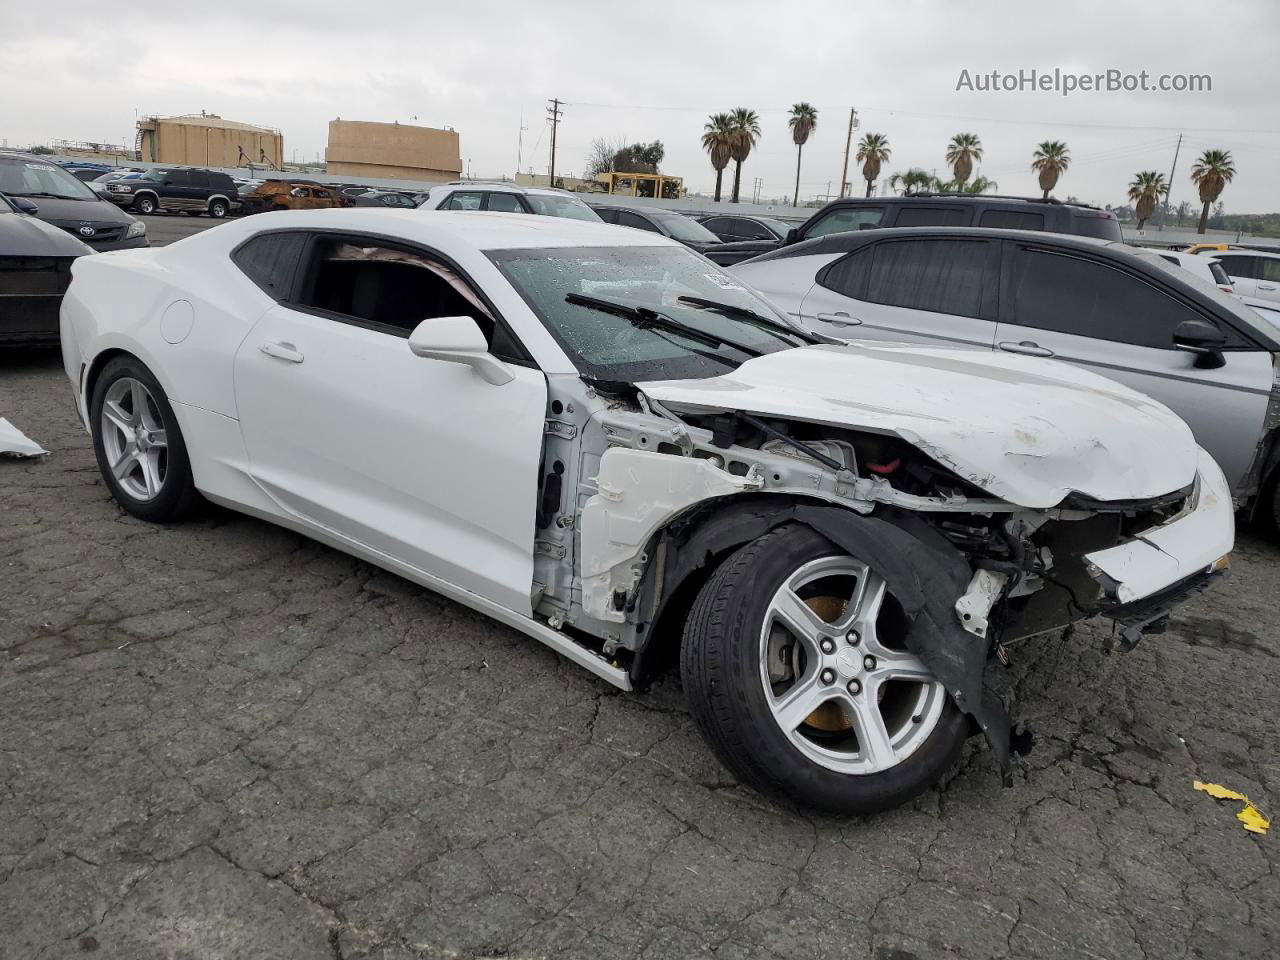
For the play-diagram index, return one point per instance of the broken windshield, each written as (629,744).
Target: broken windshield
(608,346)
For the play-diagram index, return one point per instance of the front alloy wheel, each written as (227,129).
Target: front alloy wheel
(796,670)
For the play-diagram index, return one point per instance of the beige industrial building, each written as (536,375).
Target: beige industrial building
(391,151)
(207,140)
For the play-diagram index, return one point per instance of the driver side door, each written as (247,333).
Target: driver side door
(418,459)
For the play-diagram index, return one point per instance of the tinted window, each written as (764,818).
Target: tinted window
(269,260)
(608,216)
(178,178)
(1012,219)
(1104,226)
(1237,266)
(721,226)
(1070,295)
(942,276)
(628,219)
(914,216)
(220,181)
(200,178)
(460,200)
(1270,269)
(505,203)
(750,230)
(846,220)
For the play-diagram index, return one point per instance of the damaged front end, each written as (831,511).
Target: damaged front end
(642,498)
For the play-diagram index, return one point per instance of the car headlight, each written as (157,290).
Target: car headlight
(121,189)
(136,229)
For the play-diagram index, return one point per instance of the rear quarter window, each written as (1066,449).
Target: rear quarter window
(1012,219)
(270,260)
(1093,225)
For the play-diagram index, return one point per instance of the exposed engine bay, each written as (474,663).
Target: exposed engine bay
(637,500)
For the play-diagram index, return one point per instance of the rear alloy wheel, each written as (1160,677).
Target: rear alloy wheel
(138,443)
(218,209)
(145,204)
(798,676)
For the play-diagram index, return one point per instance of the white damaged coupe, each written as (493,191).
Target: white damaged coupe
(598,438)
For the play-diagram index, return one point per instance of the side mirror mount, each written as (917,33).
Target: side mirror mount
(1204,340)
(458,340)
(25,206)
(793,236)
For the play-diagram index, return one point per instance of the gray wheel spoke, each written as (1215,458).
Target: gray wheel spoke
(117,416)
(873,735)
(159,438)
(804,697)
(868,598)
(124,464)
(149,461)
(798,617)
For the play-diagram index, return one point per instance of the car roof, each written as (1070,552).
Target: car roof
(478,230)
(1244,252)
(995,198)
(844,242)
(499,187)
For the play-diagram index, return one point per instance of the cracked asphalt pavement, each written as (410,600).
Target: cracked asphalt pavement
(222,740)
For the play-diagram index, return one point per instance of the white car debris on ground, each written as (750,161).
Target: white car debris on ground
(599,438)
(15,443)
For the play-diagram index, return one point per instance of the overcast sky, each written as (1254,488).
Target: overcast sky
(655,71)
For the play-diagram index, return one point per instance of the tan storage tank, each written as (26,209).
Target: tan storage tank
(207,140)
(392,151)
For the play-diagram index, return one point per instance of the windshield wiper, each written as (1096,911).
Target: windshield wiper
(644,317)
(746,313)
(51,196)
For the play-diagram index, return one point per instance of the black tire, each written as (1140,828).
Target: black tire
(1269,505)
(192,213)
(177,495)
(720,670)
(146,204)
(217,208)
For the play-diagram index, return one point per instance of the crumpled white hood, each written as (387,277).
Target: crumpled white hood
(1026,430)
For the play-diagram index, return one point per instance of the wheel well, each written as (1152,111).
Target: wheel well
(697,542)
(147,193)
(95,369)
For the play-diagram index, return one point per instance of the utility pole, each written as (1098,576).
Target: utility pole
(553,115)
(1169,186)
(848,142)
(520,143)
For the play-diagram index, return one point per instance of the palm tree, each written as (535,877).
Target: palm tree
(914,180)
(1210,174)
(804,118)
(1145,191)
(963,149)
(873,150)
(717,137)
(746,131)
(1050,160)
(978,184)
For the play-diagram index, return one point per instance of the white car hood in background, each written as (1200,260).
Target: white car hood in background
(1026,430)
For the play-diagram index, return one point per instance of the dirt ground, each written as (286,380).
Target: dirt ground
(221,739)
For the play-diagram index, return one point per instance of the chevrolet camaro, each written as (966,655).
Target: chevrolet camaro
(600,439)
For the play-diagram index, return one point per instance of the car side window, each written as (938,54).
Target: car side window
(1241,266)
(750,230)
(721,226)
(505,203)
(1067,294)
(628,219)
(608,216)
(941,276)
(200,179)
(845,221)
(1012,219)
(177,178)
(270,260)
(918,216)
(1270,269)
(463,200)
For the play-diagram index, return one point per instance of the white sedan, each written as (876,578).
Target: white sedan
(596,437)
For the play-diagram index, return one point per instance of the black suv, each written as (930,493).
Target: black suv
(190,190)
(934,210)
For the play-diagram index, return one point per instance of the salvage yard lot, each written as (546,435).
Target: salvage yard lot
(222,739)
